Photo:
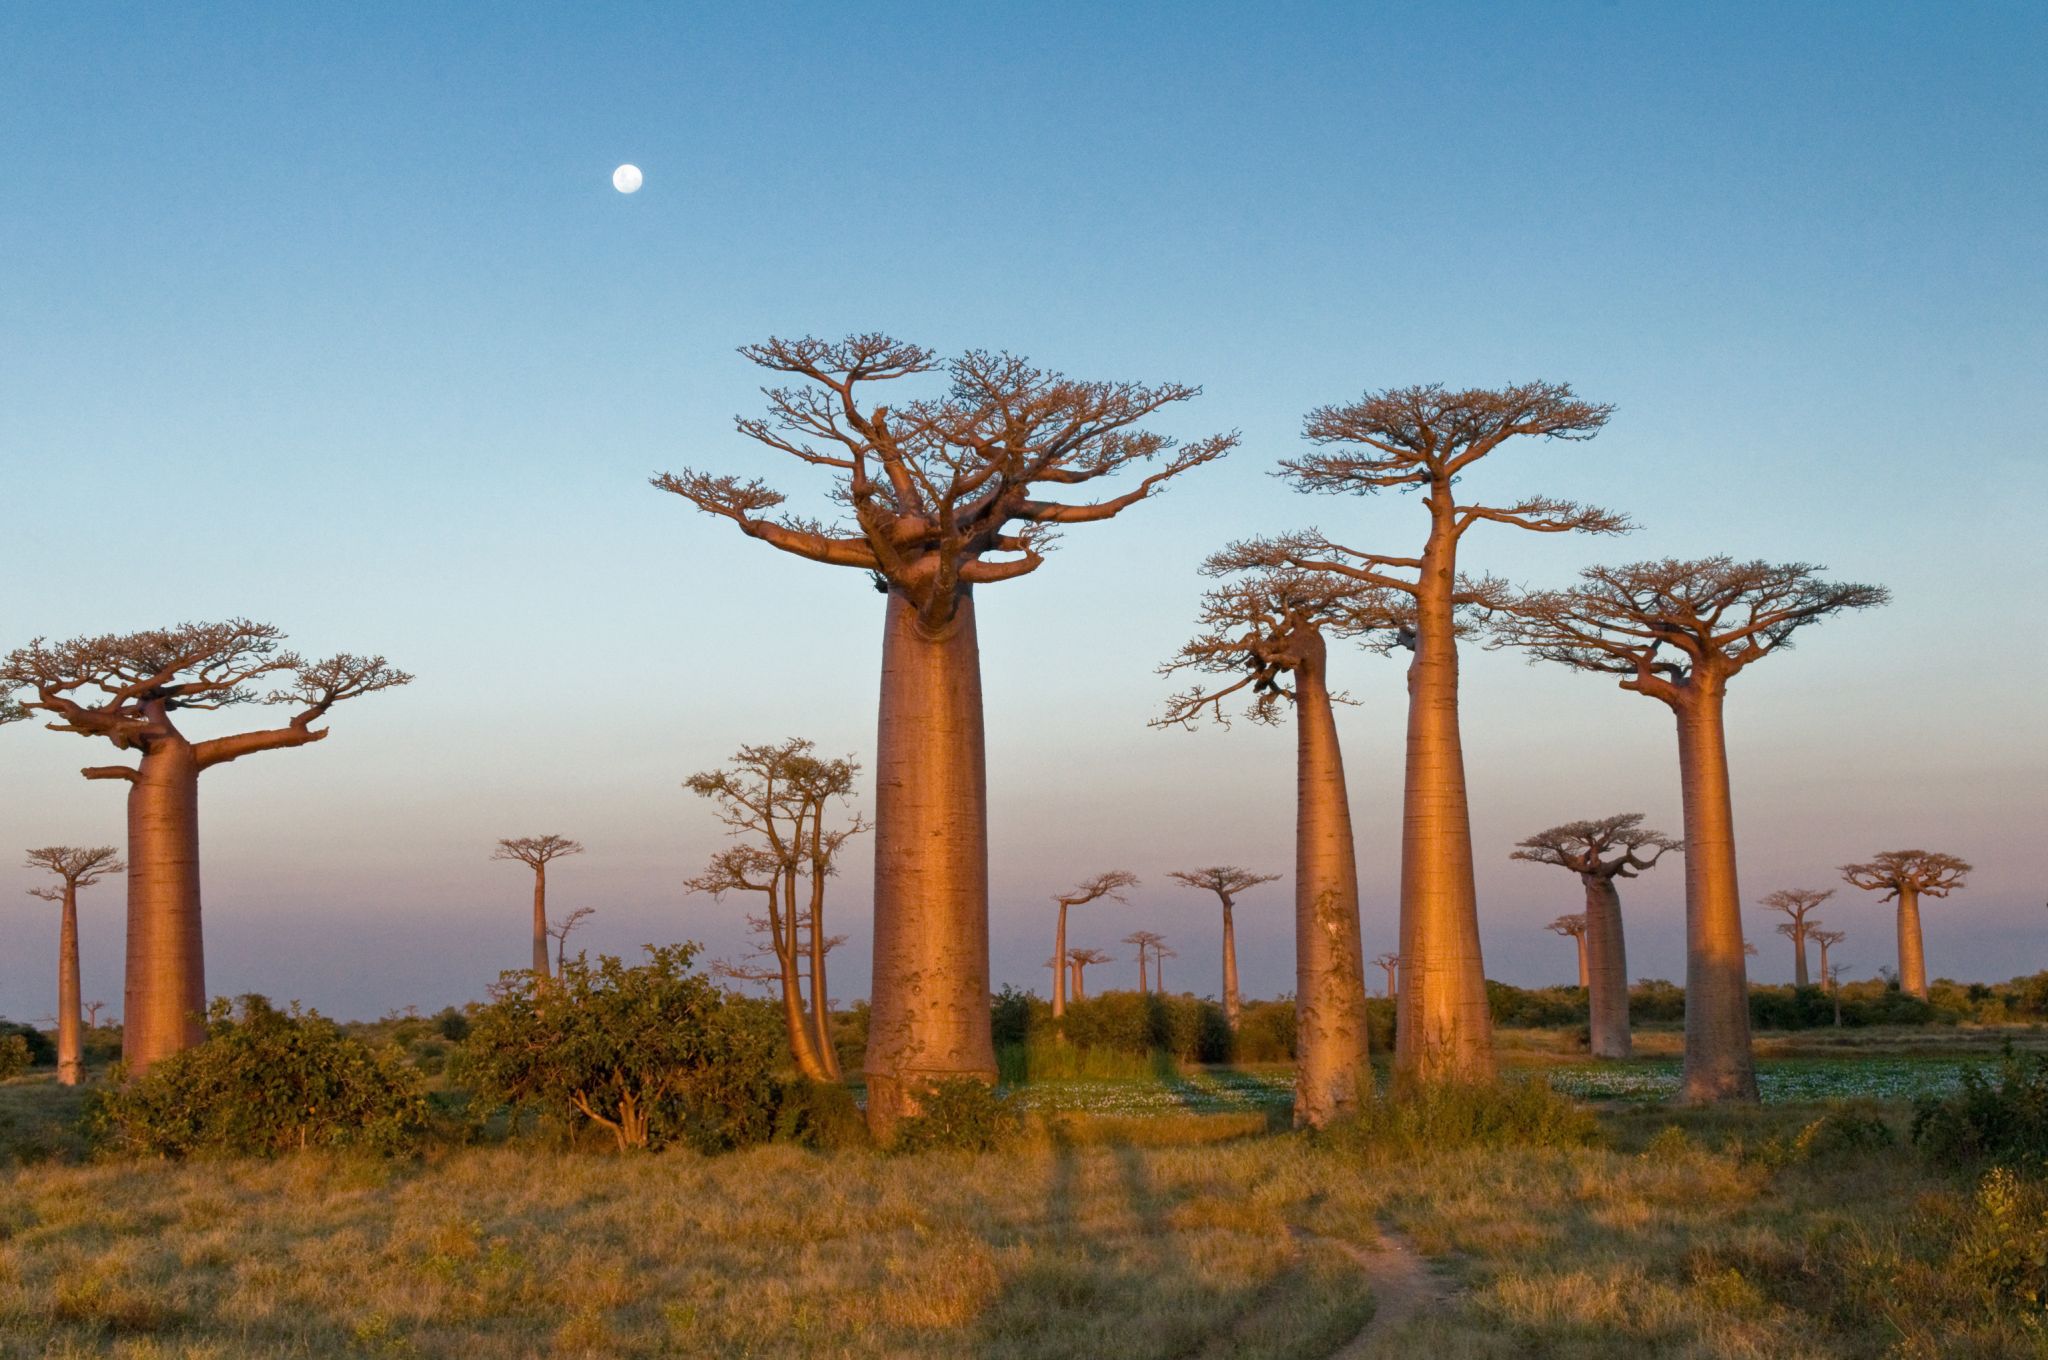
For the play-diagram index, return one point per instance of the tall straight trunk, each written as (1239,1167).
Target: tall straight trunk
(1445,1032)
(1329,955)
(1799,978)
(164,998)
(1606,960)
(1080,983)
(1059,965)
(821,1010)
(1233,1006)
(1580,940)
(796,1026)
(1912,953)
(1719,1065)
(1143,990)
(70,1004)
(540,921)
(930,1018)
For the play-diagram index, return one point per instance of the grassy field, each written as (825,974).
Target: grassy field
(1149,1217)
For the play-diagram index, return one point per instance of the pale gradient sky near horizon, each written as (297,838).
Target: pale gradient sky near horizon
(331,317)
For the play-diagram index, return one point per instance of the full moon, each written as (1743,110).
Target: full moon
(626,179)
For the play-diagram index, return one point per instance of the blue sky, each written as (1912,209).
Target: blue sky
(331,317)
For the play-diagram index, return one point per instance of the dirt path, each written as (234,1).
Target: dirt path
(1402,1285)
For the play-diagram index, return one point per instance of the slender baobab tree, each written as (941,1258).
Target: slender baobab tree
(1427,439)
(1826,939)
(1573,927)
(939,493)
(776,798)
(132,688)
(560,932)
(1161,952)
(536,853)
(1145,942)
(1269,628)
(1391,963)
(75,867)
(1600,852)
(92,1014)
(1716,616)
(1909,875)
(1226,881)
(1079,960)
(1111,885)
(1797,906)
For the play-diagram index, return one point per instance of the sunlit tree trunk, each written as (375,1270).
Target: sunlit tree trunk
(1059,970)
(164,1002)
(1233,1006)
(1719,1065)
(540,921)
(931,999)
(1912,953)
(1799,978)
(70,1001)
(1329,957)
(821,996)
(1604,963)
(1445,1032)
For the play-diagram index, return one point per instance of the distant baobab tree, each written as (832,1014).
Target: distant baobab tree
(1226,881)
(1797,905)
(1427,439)
(536,853)
(1906,876)
(75,867)
(1391,963)
(1161,952)
(1110,885)
(1079,960)
(92,1013)
(1144,941)
(774,799)
(129,688)
(1826,939)
(1717,616)
(940,494)
(1269,627)
(1574,928)
(1600,853)
(560,931)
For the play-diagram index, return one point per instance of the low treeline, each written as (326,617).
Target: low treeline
(1875,1001)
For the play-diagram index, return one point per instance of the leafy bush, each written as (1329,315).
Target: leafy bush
(1265,1032)
(1653,1001)
(1984,1120)
(1139,1025)
(818,1114)
(2003,1251)
(653,1053)
(265,1081)
(959,1114)
(42,1050)
(14,1056)
(1537,1008)
(1513,1113)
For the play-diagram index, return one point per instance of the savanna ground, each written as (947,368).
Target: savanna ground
(1148,1215)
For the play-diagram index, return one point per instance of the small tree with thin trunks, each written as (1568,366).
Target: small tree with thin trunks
(1678,632)
(1227,881)
(1079,960)
(1144,941)
(1427,439)
(75,867)
(1796,905)
(1111,885)
(1826,939)
(1161,952)
(1907,876)
(1391,963)
(536,853)
(133,689)
(939,493)
(1600,853)
(1574,928)
(560,933)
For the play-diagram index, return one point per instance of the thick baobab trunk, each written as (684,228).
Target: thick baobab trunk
(70,1006)
(1445,1032)
(1580,941)
(1329,957)
(1233,1006)
(1719,1065)
(164,999)
(1605,959)
(1799,978)
(1059,965)
(540,921)
(1080,983)
(1912,953)
(931,1000)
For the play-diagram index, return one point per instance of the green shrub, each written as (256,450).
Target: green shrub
(1984,1120)
(266,1081)
(1535,1008)
(1653,1001)
(818,1114)
(959,1114)
(14,1056)
(42,1050)
(2003,1251)
(1513,1113)
(653,1053)
(1265,1032)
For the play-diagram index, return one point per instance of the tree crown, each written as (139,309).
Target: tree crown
(939,492)
(1585,847)
(1795,903)
(1926,873)
(1110,885)
(537,851)
(1573,925)
(1225,880)
(79,866)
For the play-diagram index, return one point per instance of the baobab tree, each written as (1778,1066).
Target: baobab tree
(1427,439)
(1391,963)
(1907,876)
(1826,939)
(536,853)
(75,867)
(775,799)
(560,932)
(92,1014)
(1079,960)
(132,689)
(1110,885)
(1573,927)
(1600,853)
(1269,628)
(1716,616)
(1226,881)
(1797,905)
(1161,952)
(1145,941)
(940,493)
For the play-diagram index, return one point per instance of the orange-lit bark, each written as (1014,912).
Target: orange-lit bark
(1719,1062)
(1912,949)
(1906,876)
(1604,960)
(70,1006)
(163,1007)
